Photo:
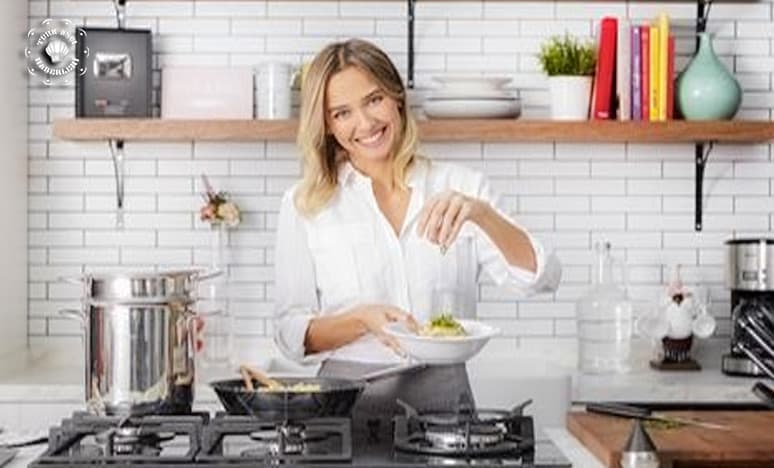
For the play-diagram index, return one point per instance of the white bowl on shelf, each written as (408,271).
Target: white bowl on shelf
(474,83)
(443,350)
(484,94)
(472,108)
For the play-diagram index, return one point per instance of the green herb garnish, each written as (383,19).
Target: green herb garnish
(446,321)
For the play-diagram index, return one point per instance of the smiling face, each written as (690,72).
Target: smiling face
(361,116)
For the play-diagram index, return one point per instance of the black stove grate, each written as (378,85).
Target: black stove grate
(245,438)
(87,440)
(227,441)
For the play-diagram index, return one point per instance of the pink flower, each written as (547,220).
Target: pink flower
(207,212)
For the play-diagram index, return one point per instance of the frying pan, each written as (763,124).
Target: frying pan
(335,398)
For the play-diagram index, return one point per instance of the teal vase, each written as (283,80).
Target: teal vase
(706,90)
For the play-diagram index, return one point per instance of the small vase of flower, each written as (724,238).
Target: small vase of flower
(221,213)
(218,207)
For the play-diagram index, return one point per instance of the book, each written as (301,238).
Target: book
(605,71)
(663,40)
(636,74)
(645,69)
(623,71)
(654,84)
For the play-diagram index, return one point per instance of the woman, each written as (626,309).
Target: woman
(362,239)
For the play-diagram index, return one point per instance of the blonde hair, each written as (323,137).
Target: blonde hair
(320,151)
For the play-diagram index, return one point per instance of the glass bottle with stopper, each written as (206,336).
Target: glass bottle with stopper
(604,316)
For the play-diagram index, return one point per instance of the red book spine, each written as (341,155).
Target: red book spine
(645,68)
(603,100)
(670,77)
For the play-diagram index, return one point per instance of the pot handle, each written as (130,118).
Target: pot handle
(74,314)
(209,274)
(71,279)
(191,324)
(209,313)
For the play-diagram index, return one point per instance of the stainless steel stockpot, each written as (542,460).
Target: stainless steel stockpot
(140,341)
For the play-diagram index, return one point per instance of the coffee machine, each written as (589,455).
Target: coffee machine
(750,276)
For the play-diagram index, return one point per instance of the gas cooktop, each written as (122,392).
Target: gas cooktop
(480,439)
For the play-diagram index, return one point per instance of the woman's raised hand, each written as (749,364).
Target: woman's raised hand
(375,316)
(444,214)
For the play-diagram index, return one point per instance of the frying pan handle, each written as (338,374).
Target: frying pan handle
(391,371)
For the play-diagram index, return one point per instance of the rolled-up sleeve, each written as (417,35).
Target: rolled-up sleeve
(526,283)
(295,284)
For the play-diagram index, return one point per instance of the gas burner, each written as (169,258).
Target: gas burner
(131,440)
(467,433)
(462,438)
(236,438)
(284,439)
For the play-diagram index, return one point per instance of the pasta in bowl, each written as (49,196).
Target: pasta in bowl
(443,340)
(443,326)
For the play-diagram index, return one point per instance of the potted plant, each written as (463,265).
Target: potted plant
(569,65)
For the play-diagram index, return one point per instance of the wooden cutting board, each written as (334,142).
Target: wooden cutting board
(748,443)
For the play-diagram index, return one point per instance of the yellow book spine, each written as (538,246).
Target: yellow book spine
(663,54)
(654,74)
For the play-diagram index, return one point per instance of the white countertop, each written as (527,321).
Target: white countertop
(55,376)
(647,385)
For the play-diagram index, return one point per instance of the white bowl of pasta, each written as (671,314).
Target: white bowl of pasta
(439,345)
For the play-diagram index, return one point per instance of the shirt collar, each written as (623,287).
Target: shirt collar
(346,172)
(417,176)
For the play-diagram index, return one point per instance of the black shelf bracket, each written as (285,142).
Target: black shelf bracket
(120,10)
(116,147)
(701,157)
(410,42)
(702,149)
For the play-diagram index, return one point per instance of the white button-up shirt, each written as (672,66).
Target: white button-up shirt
(349,254)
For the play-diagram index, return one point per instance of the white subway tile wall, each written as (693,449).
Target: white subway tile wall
(570,195)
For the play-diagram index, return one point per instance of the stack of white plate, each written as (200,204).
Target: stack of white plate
(471,97)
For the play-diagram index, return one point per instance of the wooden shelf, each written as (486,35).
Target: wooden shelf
(675,131)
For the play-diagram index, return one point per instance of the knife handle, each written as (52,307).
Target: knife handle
(618,409)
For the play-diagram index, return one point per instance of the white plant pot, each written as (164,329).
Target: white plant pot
(570,97)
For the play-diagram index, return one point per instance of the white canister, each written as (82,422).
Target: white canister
(272,91)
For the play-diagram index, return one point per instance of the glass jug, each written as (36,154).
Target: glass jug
(214,306)
(604,317)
